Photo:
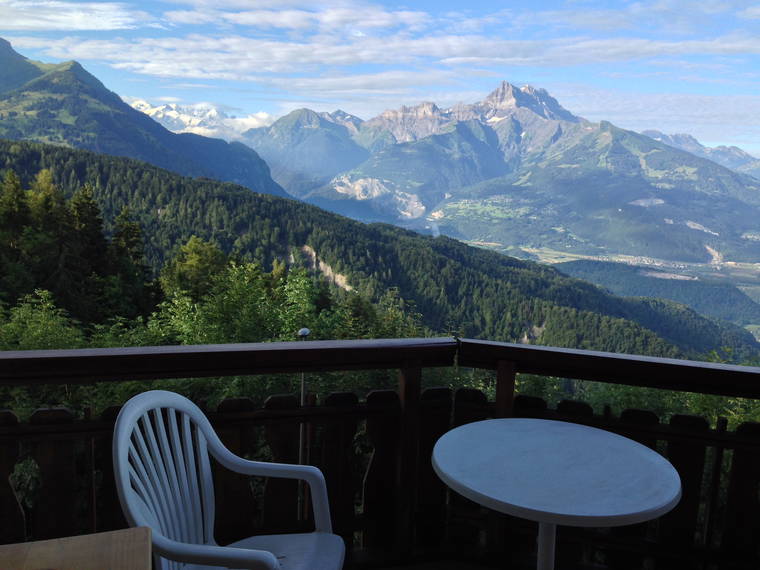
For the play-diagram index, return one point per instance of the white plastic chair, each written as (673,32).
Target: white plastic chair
(161,448)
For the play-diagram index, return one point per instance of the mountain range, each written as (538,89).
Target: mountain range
(211,120)
(64,104)
(517,171)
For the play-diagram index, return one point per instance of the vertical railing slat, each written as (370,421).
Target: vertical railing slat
(108,511)
(625,559)
(410,383)
(506,375)
(236,508)
(280,509)
(13,526)
(380,492)
(466,518)
(338,463)
(435,420)
(58,502)
(679,528)
(741,526)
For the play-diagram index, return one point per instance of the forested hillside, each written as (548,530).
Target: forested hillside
(455,287)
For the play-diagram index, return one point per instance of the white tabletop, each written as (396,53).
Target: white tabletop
(556,472)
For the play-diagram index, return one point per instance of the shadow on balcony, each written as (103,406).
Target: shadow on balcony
(386,501)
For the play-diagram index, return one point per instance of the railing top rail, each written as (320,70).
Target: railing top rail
(31,367)
(194,361)
(648,371)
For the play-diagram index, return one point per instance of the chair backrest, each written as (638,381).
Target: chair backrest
(162,467)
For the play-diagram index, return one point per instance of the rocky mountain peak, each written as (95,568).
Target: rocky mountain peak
(412,123)
(507,98)
(423,110)
(503,97)
(340,117)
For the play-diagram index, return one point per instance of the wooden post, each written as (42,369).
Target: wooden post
(409,384)
(506,373)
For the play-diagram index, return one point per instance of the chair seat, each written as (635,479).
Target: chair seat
(310,551)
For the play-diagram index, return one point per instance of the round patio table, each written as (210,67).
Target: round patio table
(556,473)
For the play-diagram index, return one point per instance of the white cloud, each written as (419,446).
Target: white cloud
(61,15)
(751,13)
(324,19)
(236,57)
(382,83)
(599,20)
(287,19)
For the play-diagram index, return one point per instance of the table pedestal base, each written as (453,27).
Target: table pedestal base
(547,533)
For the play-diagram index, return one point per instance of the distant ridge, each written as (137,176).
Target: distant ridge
(729,156)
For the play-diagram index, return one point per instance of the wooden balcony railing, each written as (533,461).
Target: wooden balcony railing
(386,501)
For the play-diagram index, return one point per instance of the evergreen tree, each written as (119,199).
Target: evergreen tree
(128,292)
(193,269)
(15,274)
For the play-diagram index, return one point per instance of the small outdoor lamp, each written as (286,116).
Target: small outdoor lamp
(303,333)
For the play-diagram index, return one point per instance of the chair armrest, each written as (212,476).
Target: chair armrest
(312,475)
(225,556)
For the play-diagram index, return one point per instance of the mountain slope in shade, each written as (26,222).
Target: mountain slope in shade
(306,149)
(729,156)
(64,104)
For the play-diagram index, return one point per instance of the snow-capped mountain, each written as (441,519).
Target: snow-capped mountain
(204,119)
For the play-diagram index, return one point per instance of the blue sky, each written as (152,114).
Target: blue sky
(672,65)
